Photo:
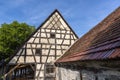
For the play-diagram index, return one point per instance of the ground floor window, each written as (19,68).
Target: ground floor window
(50,69)
(50,72)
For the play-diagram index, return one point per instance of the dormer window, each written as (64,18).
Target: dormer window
(52,35)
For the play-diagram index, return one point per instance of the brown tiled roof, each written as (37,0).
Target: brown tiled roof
(101,42)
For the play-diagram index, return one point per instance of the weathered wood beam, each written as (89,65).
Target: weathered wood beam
(11,71)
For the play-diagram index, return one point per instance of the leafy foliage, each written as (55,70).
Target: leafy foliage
(12,36)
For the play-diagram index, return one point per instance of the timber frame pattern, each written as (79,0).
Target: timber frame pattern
(41,49)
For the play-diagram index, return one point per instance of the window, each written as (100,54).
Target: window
(38,51)
(52,35)
(50,69)
(50,72)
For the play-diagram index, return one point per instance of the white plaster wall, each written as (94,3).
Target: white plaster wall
(14,59)
(67,74)
(21,59)
(30,40)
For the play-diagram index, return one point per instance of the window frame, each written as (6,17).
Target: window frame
(38,51)
(52,35)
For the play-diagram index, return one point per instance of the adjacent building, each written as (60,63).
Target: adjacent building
(96,55)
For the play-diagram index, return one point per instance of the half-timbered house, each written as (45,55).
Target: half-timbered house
(96,55)
(35,58)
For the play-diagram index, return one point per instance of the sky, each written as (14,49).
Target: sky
(81,15)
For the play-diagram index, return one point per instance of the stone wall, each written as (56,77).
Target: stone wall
(72,74)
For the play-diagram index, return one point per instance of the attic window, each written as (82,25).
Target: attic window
(52,35)
(38,51)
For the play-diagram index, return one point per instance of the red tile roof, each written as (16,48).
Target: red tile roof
(101,42)
(108,51)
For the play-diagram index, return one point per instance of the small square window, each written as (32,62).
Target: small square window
(50,68)
(52,35)
(38,51)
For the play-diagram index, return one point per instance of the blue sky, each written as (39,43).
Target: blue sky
(81,15)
